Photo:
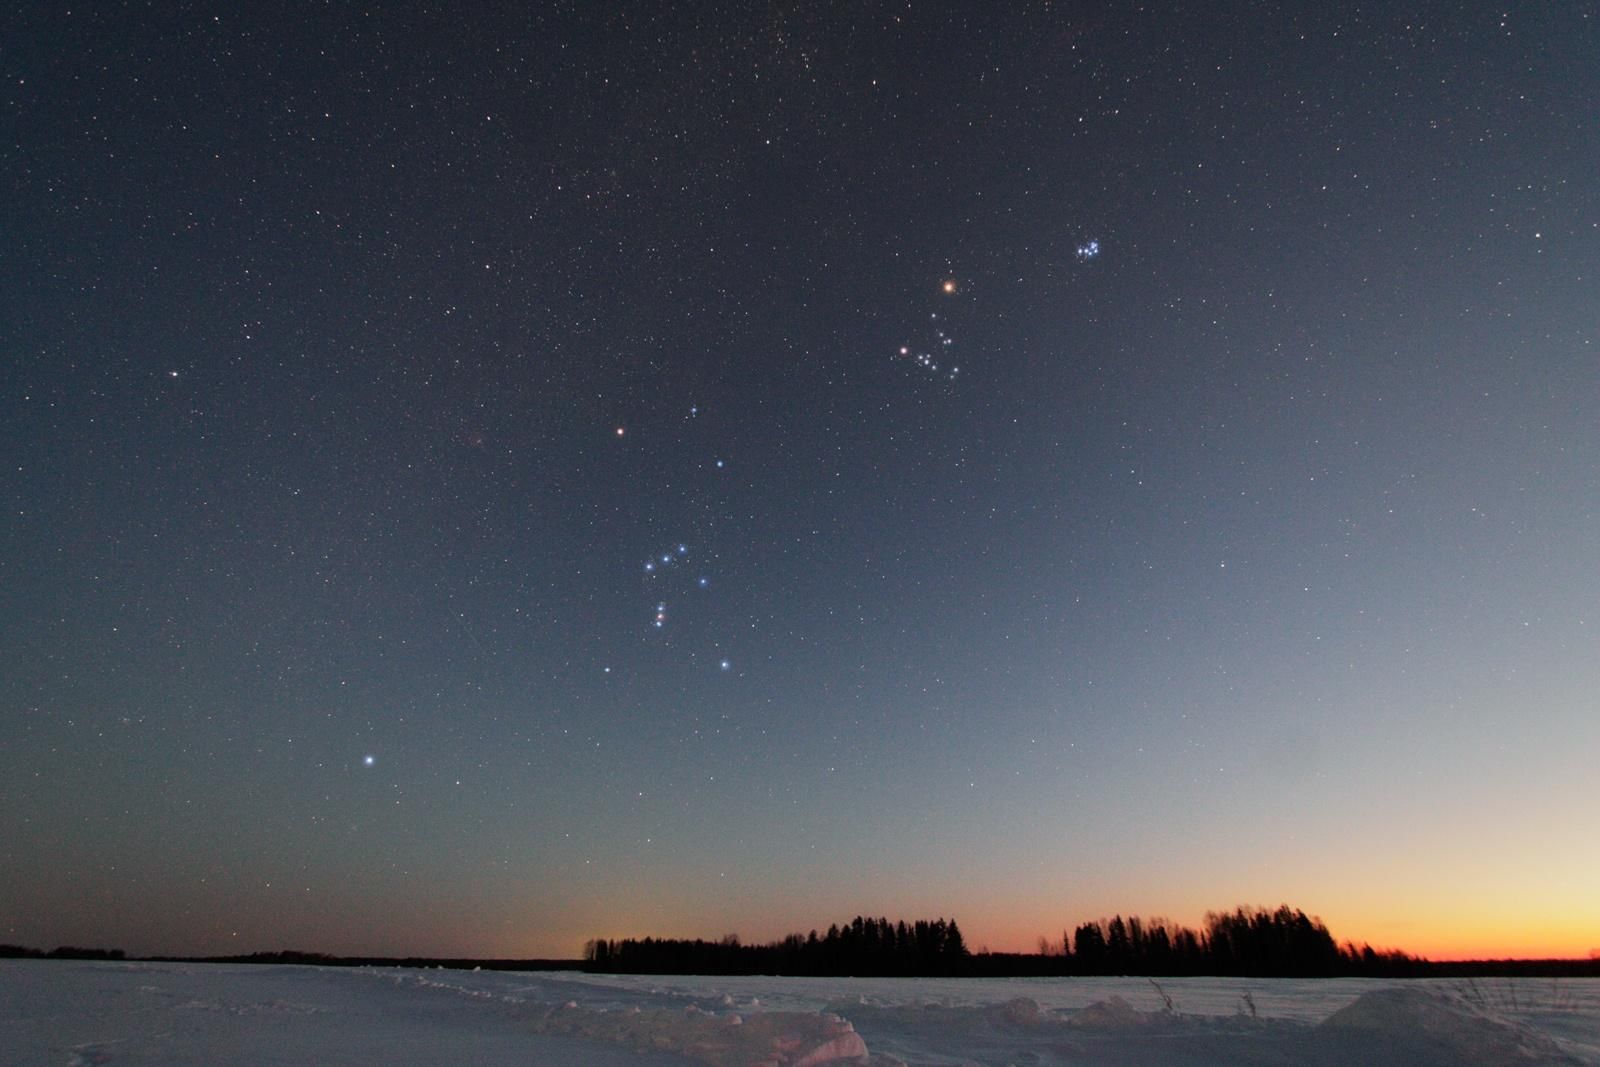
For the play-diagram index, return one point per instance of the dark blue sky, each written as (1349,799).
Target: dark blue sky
(1248,557)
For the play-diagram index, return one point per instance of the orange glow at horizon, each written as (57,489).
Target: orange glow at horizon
(1507,921)
(1455,906)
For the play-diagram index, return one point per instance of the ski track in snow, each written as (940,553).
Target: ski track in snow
(91,1013)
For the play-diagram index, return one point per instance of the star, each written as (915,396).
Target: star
(369,760)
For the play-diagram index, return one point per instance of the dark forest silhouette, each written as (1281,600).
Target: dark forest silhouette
(1281,943)
(862,947)
(1256,942)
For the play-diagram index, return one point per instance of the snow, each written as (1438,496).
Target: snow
(70,1013)
(1433,1026)
(75,1014)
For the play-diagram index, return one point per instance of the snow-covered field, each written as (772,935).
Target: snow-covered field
(79,1013)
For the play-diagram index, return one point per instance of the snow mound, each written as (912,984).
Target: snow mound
(766,1039)
(1021,1011)
(1018,1013)
(1425,1027)
(1113,1013)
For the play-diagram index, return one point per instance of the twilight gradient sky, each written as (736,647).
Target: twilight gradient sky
(356,363)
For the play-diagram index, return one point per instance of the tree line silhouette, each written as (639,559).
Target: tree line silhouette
(65,952)
(1255,942)
(862,946)
(1246,942)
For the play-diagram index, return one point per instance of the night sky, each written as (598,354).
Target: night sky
(480,478)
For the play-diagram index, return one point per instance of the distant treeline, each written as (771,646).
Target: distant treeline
(1281,943)
(1244,942)
(318,959)
(322,959)
(860,947)
(65,952)
(1254,942)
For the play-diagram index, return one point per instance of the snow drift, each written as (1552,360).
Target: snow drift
(59,1012)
